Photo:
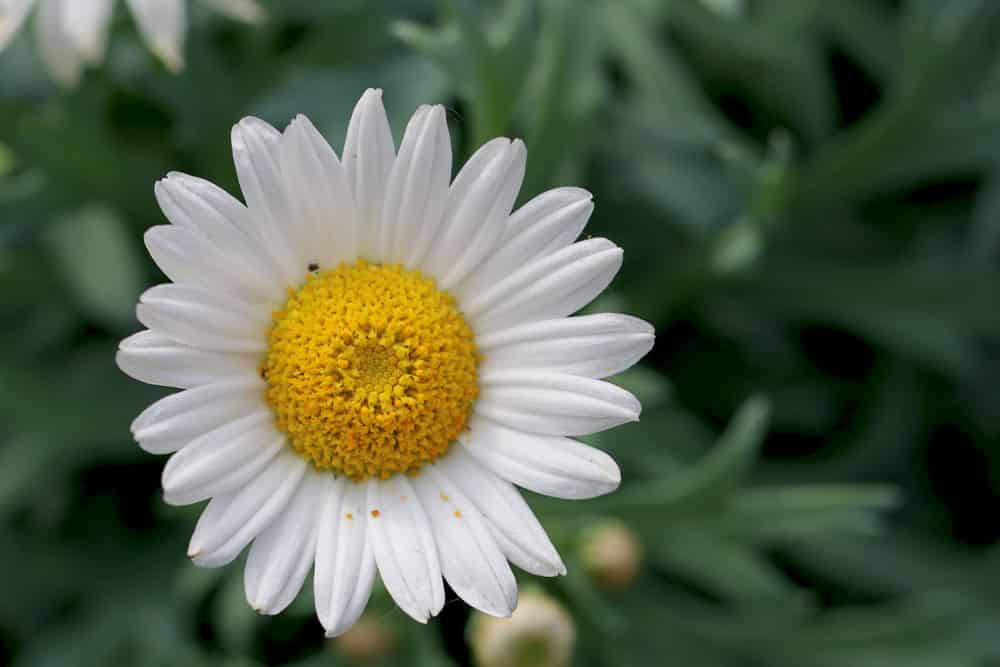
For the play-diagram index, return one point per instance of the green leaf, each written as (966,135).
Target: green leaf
(984,233)
(100,265)
(728,464)
(234,620)
(731,570)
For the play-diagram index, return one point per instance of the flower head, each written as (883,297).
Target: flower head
(372,355)
(74,33)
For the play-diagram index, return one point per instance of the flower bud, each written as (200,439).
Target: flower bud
(540,633)
(612,555)
(367,641)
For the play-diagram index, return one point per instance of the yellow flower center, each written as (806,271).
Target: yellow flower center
(371,370)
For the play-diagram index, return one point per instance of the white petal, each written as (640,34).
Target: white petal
(222,460)
(554,403)
(154,358)
(172,422)
(547,223)
(57,51)
(476,217)
(474,167)
(471,561)
(345,565)
(516,528)
(550,465)
(369,153)
(593,346)
(319,196)
(231,521)
(404,549)
(163,26)
(12,16)
(202,207)
(87,25)
(203,318)
(256,153)
(187,257)
(247,11)
(541,209)
(548,287)
(417,189)
(281,556)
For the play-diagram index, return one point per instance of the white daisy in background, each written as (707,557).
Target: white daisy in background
(74,33)
(372,355)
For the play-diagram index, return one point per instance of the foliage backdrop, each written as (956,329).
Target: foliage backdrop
(808,194)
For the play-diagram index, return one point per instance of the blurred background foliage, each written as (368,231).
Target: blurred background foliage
(808,193)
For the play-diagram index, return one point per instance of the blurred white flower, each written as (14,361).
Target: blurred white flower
(74,33)
(372,355)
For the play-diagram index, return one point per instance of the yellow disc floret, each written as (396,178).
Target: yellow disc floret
(371,370)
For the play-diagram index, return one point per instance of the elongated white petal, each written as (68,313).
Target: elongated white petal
(549,222)
(248,11)
(256,153)
(540,210)
(187,257)
(554,403)
(12,16)
(222,460)
(369,153)
(163,26)
(319,196)
(516,528)
(417,189)
(172,422)
(476,216)
(345,564)
(551,286)
(404,548)
(593,346)
(550,465)
(476,165)
(158,359)
(87,24)
(281,556)
(231,521)
(471,561)
(205,319)
(55,47)
(194,203)
(205,209)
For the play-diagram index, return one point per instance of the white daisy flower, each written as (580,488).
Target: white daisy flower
(74,33)
(372,355)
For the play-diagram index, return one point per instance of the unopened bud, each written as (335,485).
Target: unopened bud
(612,555)
(367,641)
(540,633)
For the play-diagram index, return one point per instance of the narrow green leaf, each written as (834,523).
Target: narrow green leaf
(735,572)
(100,264)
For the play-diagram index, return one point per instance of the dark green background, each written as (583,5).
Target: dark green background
(809,201)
